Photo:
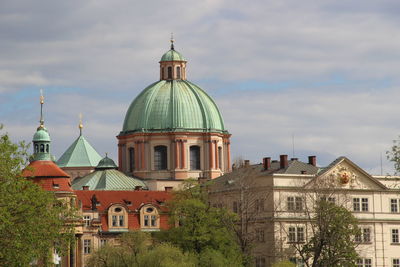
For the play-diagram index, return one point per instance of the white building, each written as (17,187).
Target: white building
(274,200)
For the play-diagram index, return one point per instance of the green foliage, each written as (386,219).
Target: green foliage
(136,249)
(30,218)
(284,264)
(394,155)
(202,230)
(333,241)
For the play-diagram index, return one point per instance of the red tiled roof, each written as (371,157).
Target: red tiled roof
(43,168)
(137,198)
(48,175)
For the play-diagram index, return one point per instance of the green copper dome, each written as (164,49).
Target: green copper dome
(106,163)
(172,55)
(41,135)
(173,106)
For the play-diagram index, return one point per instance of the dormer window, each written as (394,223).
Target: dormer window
(56,186)
(149,218)
(117,218)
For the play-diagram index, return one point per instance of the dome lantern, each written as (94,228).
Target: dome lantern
(41,139)
(172,65)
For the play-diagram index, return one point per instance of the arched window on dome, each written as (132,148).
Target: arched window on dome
(220,157)
(131,159)
(162,73)
(47,148)
(41,147)
(178,72)
(195,158)
(160,158)
(169,73)
(36,148)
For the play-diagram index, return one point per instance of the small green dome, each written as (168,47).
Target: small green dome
(41,135)
(173,106)
(106,163)
(172,55)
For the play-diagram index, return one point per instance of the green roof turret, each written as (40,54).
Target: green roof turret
(106,163)
(80,153)
(41,139)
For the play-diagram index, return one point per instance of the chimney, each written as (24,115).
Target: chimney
(312,160)
(247,163)
(284,161)
(85,187)
(94,202)
(267,163)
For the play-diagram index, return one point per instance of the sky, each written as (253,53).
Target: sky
(289,77)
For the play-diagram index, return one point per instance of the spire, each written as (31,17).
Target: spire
(41,109)
(172,41)
(80,124)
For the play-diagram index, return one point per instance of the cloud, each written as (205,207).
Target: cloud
(325,71)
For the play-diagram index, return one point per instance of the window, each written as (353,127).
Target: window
(294,204)
(329,199)
(103,242)
(364,204)
(394,205)
(260,262)
(395,262)
(114,220)
(162,73)
(395,236)
(364,262)
(195,158)
(86,246)
(153,220)
(47,148)
(178,72)
(121,220)
(149,217)
(260,235)
(295,234)
(365,236)
(259,205)
(169,69)
(220,157)
(36,148)
(235,207)
(131,159)
(160,157)
(86,220)
(360,204)
(41,148)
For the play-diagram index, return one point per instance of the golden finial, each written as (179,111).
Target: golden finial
(41,109)
(41,97)
(80,124)
(172,41)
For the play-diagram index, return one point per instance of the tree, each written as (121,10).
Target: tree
(394,155)
(31,219)
(137,249)
(202,229)
(331,228)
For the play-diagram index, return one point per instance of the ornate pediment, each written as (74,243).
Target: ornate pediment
(344,174)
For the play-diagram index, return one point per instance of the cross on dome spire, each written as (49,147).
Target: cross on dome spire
(172,41)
